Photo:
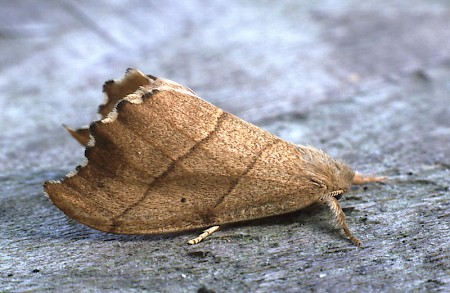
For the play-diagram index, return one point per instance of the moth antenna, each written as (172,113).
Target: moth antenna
(339,215)
(205,234)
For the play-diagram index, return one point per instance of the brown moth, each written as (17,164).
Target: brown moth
(163,160)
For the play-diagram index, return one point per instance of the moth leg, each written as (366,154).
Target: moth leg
(361,179)
(205,234)
(335,207)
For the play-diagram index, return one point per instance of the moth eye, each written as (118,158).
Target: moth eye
(183,199)
(317,182)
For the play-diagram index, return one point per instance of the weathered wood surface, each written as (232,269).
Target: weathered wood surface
(367,82)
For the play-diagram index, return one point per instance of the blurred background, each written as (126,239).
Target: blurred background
(259,60)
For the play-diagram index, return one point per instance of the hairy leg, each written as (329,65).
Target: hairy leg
(205,234)
(335,207)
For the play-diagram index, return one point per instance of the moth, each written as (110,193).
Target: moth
(162,160)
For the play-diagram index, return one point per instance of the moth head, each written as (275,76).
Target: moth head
(342,179)
(330,175)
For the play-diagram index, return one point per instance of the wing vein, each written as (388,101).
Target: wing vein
(159,179)
(249,167)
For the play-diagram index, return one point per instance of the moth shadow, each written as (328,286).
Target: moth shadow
(312,215)
(70,230)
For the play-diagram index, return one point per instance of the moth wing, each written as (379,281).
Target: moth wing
(81,135)
(116,90)
(272,181)
(149,170)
